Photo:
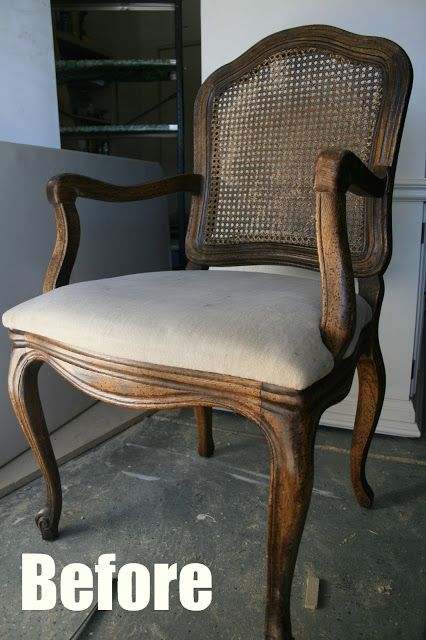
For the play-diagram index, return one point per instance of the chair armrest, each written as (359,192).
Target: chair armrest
(67,187)
(62,192)
(336,172)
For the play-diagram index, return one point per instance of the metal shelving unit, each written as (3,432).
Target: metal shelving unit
(107,70)
(121,131)
(85,66)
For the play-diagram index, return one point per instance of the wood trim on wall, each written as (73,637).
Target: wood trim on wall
(410,189)
(397,417)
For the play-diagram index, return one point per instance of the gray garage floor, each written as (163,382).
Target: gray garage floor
(147,496)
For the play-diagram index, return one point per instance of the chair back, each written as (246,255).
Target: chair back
(260,123)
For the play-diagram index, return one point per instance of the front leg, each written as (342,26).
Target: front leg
(23,391)
(290,435)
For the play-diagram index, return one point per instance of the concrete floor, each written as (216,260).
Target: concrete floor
(371,563)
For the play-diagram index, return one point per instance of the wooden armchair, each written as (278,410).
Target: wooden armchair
(308,107)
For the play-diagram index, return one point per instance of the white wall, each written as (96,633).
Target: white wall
(28,105)
(229,28)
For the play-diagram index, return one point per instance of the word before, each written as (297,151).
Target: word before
(134,588)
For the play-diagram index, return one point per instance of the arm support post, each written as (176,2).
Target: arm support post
(336,172)
(62,192)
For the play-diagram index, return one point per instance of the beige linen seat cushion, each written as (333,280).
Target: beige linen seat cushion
(259,326)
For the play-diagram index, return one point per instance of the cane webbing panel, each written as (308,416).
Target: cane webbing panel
(267,130)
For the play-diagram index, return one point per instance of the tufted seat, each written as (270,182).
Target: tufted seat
(259,326)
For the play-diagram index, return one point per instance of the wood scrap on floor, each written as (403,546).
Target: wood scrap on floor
(312,591)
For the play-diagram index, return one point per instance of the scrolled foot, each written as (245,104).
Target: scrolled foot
(48,529)
(364,495)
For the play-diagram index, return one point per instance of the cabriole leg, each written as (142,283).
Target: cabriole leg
(291,438)
(372,382)
(23,391)
(204,419)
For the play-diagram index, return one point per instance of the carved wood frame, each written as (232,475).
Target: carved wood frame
(398,76)
(288,418)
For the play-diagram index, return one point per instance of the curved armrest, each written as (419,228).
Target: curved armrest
(67,187)
(336,172)
(62,192)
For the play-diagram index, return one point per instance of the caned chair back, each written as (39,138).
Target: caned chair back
(260,123)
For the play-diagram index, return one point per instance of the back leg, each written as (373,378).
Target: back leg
(23,391)
(204,419)
(372,383)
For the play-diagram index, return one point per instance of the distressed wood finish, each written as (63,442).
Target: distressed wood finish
(62,192)
(287,418)
(290,434)
(336,172)
(23,392)
(371,393)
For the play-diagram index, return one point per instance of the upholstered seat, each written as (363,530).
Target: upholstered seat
(253,325)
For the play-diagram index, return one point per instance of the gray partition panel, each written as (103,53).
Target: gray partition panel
(116,240)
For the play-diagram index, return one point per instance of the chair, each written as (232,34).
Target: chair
(313,105)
